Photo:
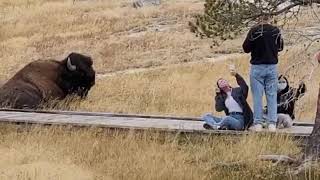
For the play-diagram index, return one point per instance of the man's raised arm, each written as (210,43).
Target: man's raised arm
(243,85)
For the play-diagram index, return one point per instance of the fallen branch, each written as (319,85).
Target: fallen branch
(307,164)
(276,159)
(297,166)
(301,167)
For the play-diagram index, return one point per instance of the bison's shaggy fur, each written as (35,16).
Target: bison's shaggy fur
(44,80)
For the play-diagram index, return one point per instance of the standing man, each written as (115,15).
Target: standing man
(264,41)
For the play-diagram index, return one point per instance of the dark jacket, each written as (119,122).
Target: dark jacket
(287,98)
(240,95)
(264,42)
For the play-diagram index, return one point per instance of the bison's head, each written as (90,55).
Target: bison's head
(78,75)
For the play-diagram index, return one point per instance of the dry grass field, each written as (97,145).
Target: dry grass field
(61,153)
(147,62)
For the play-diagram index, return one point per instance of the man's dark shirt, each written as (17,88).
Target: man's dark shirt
(264,41)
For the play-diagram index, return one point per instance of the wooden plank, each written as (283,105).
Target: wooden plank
(121,126)
(95,114)
(115,121)
(298,130)
(127,122)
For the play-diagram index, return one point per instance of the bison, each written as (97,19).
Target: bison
(44,80)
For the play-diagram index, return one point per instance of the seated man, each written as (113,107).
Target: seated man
(286,99)
(233,102)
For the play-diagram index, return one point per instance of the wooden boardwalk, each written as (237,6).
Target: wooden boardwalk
(121,121)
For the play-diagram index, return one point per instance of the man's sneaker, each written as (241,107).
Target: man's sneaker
(257,128)
(207,126)
(210,127)
(272,128)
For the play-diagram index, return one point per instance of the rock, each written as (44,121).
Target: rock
(142,3)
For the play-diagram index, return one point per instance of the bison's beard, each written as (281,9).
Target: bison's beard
(81,92)
(72,84)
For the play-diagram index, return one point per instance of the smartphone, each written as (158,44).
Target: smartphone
(232,67)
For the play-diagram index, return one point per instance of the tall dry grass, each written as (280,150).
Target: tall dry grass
(121,38)
(66,153)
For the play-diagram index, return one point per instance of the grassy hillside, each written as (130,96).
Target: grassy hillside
(147,62)
(121,38)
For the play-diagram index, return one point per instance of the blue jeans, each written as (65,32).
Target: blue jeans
(234,122)
(264,78)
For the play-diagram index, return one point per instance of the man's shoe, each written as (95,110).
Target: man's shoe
(272,128)
(257,128)
(209,127)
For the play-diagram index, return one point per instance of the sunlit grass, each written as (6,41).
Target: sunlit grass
(64,153)
(121,38)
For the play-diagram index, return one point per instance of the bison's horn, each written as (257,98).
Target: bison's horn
(70,66)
